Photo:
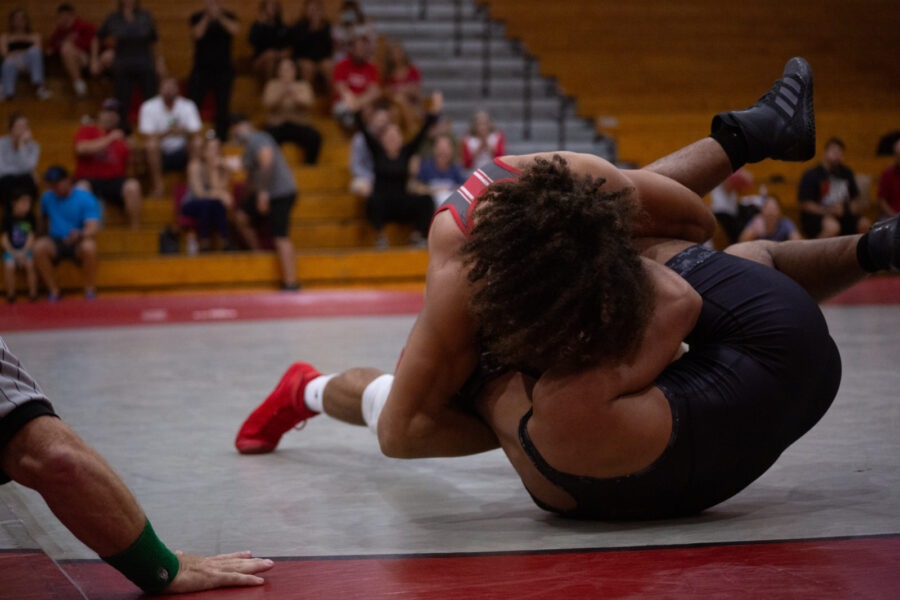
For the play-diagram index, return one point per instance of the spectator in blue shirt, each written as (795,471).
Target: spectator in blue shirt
(71,218)
(441,174)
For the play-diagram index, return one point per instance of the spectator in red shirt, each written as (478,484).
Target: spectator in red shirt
(483,142)
(355,83)
(71,43)
(889,186)
(101,155)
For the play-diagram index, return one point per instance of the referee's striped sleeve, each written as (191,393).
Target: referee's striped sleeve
(16,385)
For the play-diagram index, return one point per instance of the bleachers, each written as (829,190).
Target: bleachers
(333,240)
(659,68)
(663,68)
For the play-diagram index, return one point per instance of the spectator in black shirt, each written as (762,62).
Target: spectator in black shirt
(313,46)
(390,201)
(269,38)
(131,33)
(213,29)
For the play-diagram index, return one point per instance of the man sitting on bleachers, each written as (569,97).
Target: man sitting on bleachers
(71,218)
(169,123)
(101,155)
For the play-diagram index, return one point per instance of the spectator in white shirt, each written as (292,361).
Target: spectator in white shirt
(169,124)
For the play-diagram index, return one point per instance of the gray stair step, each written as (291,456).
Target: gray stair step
(543,130)
(393,10)
(446,48)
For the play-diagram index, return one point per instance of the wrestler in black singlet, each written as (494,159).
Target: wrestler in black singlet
(761,371)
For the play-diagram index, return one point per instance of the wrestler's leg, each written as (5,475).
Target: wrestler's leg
(824,267)
(781,125)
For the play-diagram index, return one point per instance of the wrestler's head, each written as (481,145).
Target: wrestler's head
(557,282)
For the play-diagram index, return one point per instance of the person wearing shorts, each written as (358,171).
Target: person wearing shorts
(271,195)
(72,215)
(102,158)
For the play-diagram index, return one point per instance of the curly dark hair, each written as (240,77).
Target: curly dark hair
(556,279)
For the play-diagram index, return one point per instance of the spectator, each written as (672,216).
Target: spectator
(355,83)
(731,214)
(213,29)
(21,51)
(443,128)
(72,219)
(352,24)
(770,224)
(39,451)
(128,35)
(71,43)
(168,123)
(483,142)
(101,162)
(313,46)
(441,174)
(269,38)
(889,186)
(209,198)
(390,200)
(287,103)
(362,171)
(829,197)
(19,155)
(271,196)
(19,230)
(403,86)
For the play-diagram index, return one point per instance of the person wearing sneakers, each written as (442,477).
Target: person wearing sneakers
(71,41)
(270,198)
(559,292)
(72,216)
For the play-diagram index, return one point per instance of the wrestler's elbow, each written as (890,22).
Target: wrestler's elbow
(402,438)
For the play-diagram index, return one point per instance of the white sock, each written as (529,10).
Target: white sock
(373,399)
(314,394)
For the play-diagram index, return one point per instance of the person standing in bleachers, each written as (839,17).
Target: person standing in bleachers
(213,30)
(18,237)
(169,124)
(21,51)
(270,196)
(287,102)
(128,36)
(70,42)
(269,38)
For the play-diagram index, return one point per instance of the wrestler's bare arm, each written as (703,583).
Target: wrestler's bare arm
(616,403)
(419,419)
(670,210)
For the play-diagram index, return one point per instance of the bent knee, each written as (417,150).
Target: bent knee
(757,251)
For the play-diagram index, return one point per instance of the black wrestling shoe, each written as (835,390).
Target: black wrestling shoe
(879,249)
(782,123)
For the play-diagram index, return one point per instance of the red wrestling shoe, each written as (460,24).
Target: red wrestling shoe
(283,409)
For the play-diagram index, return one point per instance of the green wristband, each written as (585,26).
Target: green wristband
(148,563)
